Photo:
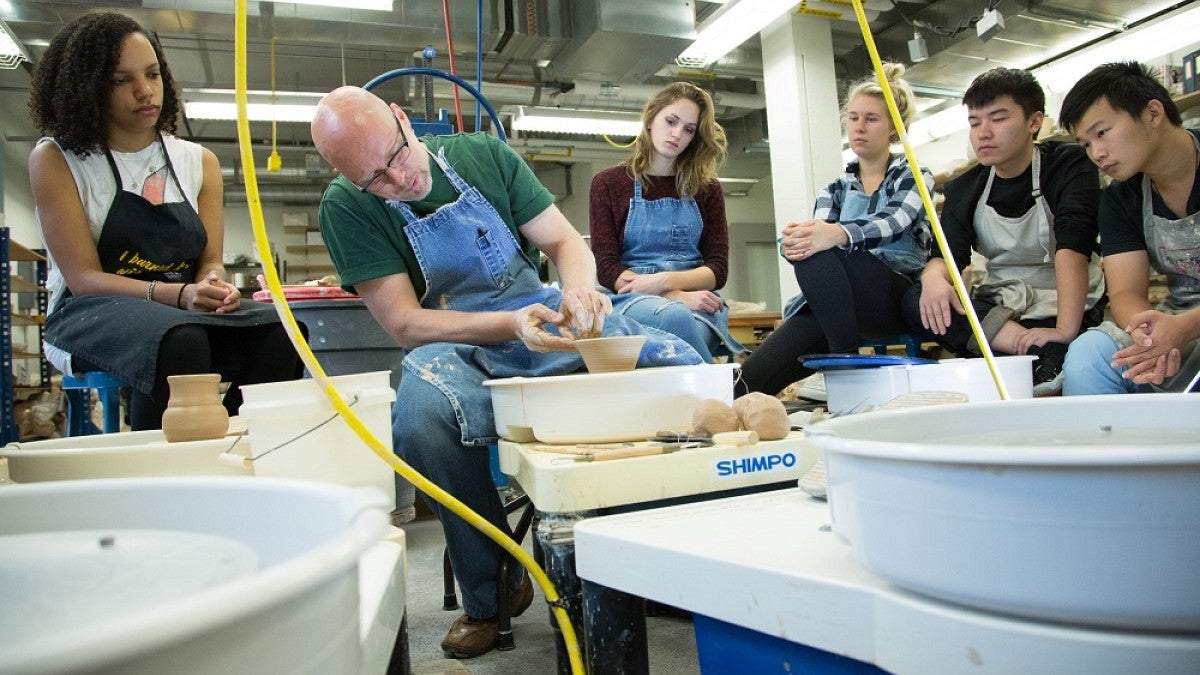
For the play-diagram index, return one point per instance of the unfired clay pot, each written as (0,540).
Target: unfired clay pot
(611,354)
(194,412)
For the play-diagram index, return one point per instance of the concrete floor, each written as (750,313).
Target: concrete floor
(672,642)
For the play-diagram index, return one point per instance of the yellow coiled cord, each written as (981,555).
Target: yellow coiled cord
(934,221)
(339,404)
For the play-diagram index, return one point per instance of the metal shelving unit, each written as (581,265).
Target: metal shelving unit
(11,252)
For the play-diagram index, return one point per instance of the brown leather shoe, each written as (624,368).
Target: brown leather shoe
(520,599)
(470,637)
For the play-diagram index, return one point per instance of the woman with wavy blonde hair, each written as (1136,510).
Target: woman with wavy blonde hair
(865,245)
(658,227)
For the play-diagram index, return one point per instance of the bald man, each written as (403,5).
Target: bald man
(440,236)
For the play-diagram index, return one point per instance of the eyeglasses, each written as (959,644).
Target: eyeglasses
(397,154)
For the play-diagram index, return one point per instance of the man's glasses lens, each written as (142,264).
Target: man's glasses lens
(400,153)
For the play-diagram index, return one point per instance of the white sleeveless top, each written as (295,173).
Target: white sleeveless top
(94,181)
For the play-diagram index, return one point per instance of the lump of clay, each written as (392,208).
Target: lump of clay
(764,414)
(713,416)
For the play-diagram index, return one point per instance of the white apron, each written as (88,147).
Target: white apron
(1020,253)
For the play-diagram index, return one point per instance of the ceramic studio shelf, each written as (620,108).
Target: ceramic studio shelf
(12,285)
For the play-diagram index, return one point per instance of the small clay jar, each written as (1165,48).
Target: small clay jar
(194,411)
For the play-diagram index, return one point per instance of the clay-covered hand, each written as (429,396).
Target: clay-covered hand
(530,326)
(212,294)
(584,310)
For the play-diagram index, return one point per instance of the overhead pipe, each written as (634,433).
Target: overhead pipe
(644,92)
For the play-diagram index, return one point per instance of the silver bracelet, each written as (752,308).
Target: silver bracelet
(150,291)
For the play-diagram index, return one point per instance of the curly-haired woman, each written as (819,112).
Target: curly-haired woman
(658,227)
(132,218)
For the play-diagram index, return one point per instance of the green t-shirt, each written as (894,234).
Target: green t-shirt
(366,237)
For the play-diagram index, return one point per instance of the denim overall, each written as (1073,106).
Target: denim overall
(473,263)
(904,256)
(663,235)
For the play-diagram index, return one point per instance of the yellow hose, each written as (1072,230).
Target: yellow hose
(618,145)
(339,404)
(934,221)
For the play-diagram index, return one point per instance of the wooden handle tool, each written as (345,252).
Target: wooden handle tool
(622,453)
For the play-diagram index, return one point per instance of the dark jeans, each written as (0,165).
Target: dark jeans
(958,334)
(241,355)
(849,297)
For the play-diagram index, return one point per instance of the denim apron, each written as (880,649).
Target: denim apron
(472,262)
(151,242)
(663,235)
(905,256)
(1174,250)
(1020,255)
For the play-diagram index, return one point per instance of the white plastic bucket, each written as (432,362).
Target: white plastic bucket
(852,390)
(296,433)
(298,612)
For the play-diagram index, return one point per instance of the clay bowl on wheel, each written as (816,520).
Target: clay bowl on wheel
(611,354)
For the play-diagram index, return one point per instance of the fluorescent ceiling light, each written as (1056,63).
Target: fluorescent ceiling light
(197,92)
(12,53)
(937,126)
(380,5)
(1167,34)
(255,112)
(567,121)
(261,106)
(730,26)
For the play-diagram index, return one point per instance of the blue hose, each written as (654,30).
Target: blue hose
(434,72)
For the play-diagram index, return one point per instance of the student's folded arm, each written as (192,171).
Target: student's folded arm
(902,211)
(1127,276)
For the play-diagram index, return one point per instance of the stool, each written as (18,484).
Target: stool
(527,522)
(911,342)
(79,402)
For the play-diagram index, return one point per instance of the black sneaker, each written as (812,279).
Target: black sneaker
(1047,372)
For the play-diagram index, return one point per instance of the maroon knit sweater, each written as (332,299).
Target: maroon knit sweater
(608,207)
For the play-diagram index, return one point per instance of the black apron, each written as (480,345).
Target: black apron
(151,242)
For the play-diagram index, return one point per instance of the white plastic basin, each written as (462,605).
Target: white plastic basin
(853,389)
(606,407)
(1083,510)
(125,455)
(297,613)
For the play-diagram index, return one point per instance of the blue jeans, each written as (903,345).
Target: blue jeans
(671,316)
(1088,367)
(425,433)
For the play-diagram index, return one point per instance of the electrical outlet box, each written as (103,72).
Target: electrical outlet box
(991,23)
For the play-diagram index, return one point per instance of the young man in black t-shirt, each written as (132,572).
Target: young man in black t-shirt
(1030,211)
(1131,129)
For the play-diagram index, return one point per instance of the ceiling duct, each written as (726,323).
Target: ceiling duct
(625,40)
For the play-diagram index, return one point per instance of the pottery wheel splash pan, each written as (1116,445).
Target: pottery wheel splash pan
(1083,509)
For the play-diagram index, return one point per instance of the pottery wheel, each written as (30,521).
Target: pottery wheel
(56,581)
